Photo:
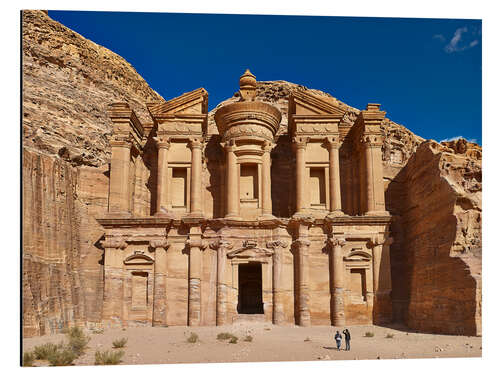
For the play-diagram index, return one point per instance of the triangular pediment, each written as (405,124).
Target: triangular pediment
(137,259)
(250,253)
(358,255)
(303,104)
(190,103)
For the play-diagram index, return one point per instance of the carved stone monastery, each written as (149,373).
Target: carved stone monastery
(304,244)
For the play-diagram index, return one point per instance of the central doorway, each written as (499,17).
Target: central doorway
(250,289)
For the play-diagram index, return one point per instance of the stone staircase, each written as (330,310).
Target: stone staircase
(249,318)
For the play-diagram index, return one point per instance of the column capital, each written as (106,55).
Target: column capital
(195,143)
(196,242)
(161,242)
(162,142)
(332,143)
(336,241)
(221,244)
(121,140)
(300,143)
(114,242)
(375,241)
(301,243)
(371,140)
(229,146)
(267,146)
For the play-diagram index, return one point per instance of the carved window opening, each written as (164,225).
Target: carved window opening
(358,285)
(179,187)
(250,288)
(317,186)
(139,290)
(249,183)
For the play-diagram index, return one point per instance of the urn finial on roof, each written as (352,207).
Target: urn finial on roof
(248,86)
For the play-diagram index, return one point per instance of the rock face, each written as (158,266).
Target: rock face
(433,191)
(68,82)
(437,252)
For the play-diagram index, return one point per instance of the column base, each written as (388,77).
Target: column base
(164,213)
(118,214)
(336,213)
(377,213)
(232,217)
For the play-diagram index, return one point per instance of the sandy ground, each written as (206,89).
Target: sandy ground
(155,345)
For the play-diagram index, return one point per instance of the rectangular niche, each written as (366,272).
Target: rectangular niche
(249,182)
(317,187)
(139,290)
(179,187)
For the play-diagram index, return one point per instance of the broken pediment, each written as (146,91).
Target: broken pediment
(303,104)
(190,103)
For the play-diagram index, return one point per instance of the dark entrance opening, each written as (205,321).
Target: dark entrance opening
(250,289)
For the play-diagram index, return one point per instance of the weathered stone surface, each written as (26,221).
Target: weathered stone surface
(68,84)
(437,252)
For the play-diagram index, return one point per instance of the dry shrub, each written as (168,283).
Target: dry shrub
(248,338)
(77,340)
(28,359)
(233,340)
(108,357)
(389,336)
(369,334)
(62,357)
(45,350)
(120,343)
(193,338)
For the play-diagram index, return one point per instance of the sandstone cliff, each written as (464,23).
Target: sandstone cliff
(437,253)
(68,81)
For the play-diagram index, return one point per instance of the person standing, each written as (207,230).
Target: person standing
(347,336)
(338,339)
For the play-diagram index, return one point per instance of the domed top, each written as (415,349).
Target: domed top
(248,80)
(248,86)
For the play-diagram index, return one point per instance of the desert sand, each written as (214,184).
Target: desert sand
(155,345)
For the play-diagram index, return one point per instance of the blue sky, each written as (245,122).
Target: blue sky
(426,73)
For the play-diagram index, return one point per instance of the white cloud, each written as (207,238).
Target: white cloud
(472,140)
(461,40)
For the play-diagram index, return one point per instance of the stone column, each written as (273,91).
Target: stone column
(221,246)
(196,166)
(160,247)
(119,194)
(113,281)
(374,182)
(278,293)
(337,282)
(267,207)
(302,254)
(162,183)
(195,245)
(334,175)
(382,284)
(232,183)
(300,173)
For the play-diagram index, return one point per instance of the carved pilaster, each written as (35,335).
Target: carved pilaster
(232,183)
(195,245)
(300,144)
(382,285)
(337,281)
(278,291)
(334,177)
(301,250)
(162,183)
(160,247)
(196,145)
(267,207)
(222,247)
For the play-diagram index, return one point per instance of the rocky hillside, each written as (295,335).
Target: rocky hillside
(68,82)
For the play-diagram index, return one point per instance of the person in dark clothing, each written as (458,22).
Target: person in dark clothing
(347,335)
(338,339)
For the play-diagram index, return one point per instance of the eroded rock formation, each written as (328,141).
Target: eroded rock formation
(433,192)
